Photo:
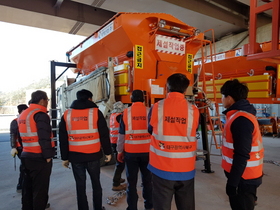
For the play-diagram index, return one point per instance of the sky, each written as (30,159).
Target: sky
(26,53)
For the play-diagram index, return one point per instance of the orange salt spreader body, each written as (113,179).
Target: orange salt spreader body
(261,76)
(146,47)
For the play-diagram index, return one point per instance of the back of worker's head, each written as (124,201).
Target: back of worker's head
(118,107)
(37,96)
(21,107)
(84,95)
(137,96)
(235,89)
(177,83)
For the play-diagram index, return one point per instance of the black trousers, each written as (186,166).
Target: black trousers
(118,168)
(163,191)
(36,181)
(245,198)
(21,172)
(133,164)
(79,171)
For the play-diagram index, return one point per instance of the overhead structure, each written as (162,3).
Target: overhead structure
(34,13)
(232,12)
(69,10)
(84,16)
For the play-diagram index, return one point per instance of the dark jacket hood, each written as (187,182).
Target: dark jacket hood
(243,105)
(79,104)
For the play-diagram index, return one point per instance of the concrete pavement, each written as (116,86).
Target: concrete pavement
(209,188)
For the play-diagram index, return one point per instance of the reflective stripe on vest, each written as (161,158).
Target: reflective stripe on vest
(114,128)
(255,163)
(253,148)
(249,163)
(26,145)
(174,138)
(172,153)
(137,140)
(162,137)
(86,138)
(28,130)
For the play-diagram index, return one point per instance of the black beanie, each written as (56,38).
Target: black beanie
(83,95)
(137,96)
(21,107)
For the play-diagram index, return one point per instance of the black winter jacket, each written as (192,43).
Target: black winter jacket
(241,129)
(77,157)
(14,134)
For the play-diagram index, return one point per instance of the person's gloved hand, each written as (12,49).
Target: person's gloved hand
(14,152)
(120,157)
(231,190)
(65,163)
(107,158)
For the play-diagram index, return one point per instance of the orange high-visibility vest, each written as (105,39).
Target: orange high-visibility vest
(17,142)
(137,138)
(81,125)
(254,167)
(114,127)
(173,142)
(28,130)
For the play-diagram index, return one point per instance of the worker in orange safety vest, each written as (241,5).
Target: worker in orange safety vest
(242,149)
(83,134)
(38,151)
(115,116)
(16,145)
(173,122)
(133,147)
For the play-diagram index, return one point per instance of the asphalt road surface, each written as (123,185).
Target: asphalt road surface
(4,137)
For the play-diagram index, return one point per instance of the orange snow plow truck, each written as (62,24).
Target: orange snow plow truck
(133,51)
(141,50)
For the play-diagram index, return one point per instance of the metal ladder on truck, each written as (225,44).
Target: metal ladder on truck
(210,122)
(54,110)
(215,128)
(55,116)
(213,121)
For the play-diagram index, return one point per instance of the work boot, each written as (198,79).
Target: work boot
(19,188)
(48,205)
(122,180)
(119,188)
